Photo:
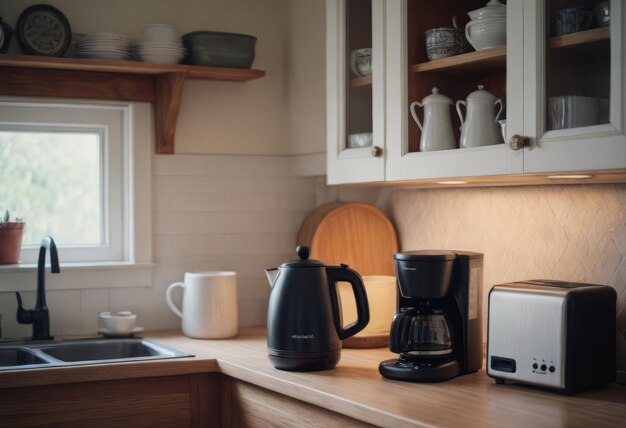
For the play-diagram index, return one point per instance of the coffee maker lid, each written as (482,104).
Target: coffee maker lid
(425,256)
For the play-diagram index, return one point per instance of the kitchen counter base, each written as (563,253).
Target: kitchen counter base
(354,389)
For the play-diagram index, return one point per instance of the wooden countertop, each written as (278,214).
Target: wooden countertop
(356,389)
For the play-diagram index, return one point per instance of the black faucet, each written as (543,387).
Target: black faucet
(39,316)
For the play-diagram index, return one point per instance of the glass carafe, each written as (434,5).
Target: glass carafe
(420,332)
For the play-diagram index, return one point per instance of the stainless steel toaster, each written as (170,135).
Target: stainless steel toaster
(556,334)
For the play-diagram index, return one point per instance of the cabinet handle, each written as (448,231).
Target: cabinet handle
(517,142)
(377,151)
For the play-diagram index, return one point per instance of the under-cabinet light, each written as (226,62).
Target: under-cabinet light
(452,182)
(569,177)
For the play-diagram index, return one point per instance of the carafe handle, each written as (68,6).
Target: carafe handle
(344,273)
(498,101)
(399,331)
(458,111)
(414,114)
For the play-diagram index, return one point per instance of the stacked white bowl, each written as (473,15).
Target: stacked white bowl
(103,46)
(161,44)
(487,29)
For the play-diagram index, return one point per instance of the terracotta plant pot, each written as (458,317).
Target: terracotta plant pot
(10,242)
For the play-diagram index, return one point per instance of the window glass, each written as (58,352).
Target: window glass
(53,181)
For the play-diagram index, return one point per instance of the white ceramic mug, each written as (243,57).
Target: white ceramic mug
(209,304)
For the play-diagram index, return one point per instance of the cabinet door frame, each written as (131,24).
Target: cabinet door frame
(577,149)
(353,165)
(404,165)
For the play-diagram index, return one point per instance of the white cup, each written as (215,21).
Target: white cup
(209,304)
(122,322)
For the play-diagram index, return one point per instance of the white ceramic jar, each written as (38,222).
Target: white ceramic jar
(480,126)
(437,133)
(487,29)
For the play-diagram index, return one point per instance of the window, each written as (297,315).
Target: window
(78,172)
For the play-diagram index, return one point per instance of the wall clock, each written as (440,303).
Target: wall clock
(43,30)
(5,36)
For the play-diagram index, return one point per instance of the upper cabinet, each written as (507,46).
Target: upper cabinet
(542,92)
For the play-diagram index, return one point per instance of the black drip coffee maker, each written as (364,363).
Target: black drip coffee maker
(437,330)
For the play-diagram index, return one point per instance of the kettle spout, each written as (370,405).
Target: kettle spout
(271,275)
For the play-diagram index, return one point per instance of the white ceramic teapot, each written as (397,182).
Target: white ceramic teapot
(480,126)
(437,133)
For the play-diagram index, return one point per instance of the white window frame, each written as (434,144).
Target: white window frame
(132,177)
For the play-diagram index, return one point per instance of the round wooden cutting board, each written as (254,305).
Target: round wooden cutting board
(358,235)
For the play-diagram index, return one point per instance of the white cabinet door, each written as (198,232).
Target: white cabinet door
(406,82)
(355,91)
(573,90)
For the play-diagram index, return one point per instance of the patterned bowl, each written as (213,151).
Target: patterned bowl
(444,41)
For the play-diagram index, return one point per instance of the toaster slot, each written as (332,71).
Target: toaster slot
(502,364)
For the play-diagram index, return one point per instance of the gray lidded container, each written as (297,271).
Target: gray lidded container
(216,49)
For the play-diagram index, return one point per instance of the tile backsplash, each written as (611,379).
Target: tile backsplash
(574,233)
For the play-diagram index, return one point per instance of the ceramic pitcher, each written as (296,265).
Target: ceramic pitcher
(437,133)
(480,126)
(209,309)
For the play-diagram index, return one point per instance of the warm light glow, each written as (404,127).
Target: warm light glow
(569,177)
(452,182)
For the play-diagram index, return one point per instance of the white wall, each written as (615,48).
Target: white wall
(215,117)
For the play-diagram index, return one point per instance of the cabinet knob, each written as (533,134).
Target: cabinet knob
(517,142)
(377,151)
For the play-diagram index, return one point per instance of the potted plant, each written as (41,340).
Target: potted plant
(11,233)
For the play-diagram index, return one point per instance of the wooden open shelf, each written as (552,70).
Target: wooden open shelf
(485,59)
(162,85)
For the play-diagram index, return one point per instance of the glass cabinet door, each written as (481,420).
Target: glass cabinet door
(355,91)
(574,85)
(578,63)
(358,74)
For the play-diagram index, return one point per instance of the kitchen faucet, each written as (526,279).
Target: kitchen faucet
(39,316)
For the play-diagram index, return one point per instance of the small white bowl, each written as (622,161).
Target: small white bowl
(363,139)
(161,58)
(486,33)
(123,322)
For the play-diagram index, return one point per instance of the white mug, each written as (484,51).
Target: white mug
(209,304)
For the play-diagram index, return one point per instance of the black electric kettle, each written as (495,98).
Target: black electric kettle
(304,325)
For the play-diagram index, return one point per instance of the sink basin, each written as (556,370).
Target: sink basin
(115,349)
(86,351)
(18,357)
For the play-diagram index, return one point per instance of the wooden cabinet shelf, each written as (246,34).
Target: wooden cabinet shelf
(581,38)
(162,85)
(485,59)
(361,81)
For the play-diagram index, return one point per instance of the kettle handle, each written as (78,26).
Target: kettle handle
(344,273)
(458,111)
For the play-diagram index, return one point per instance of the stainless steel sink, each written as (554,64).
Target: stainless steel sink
(87,351)
(12,357)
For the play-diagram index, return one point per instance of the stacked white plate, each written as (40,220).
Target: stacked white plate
(103,46)
(161,44)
